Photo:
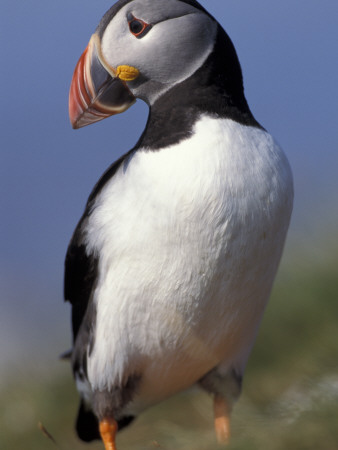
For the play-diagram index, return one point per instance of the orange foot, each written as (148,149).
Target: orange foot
(108,429)
(222,419)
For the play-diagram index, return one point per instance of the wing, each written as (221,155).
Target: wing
(80,277)
(81,267)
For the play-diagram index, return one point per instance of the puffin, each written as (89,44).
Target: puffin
(171,265)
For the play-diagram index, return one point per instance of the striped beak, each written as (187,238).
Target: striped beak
(97,90)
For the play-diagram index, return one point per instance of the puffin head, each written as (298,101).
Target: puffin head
(141,49)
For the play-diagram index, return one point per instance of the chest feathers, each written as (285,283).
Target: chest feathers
(189,239)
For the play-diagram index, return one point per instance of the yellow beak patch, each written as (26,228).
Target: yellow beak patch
(127,73)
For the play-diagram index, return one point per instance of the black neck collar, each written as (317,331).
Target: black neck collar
(215,89)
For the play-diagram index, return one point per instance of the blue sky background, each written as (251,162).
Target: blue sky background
(288,52)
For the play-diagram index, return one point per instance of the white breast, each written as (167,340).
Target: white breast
(189,239)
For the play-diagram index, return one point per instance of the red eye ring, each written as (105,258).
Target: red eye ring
(138,27)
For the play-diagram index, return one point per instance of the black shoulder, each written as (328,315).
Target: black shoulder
(108,174)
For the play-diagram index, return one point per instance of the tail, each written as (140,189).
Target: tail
(87,424)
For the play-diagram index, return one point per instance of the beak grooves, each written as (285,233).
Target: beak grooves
(96,91)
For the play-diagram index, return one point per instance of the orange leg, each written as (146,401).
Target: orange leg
(108,429)
(222,419)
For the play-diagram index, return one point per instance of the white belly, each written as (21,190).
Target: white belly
(189,240)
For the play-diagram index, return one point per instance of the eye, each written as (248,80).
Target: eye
(138,27)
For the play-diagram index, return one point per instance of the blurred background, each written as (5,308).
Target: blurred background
(288,53)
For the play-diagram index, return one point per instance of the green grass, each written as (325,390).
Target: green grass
(289,400)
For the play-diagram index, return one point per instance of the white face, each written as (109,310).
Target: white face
(179,41)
